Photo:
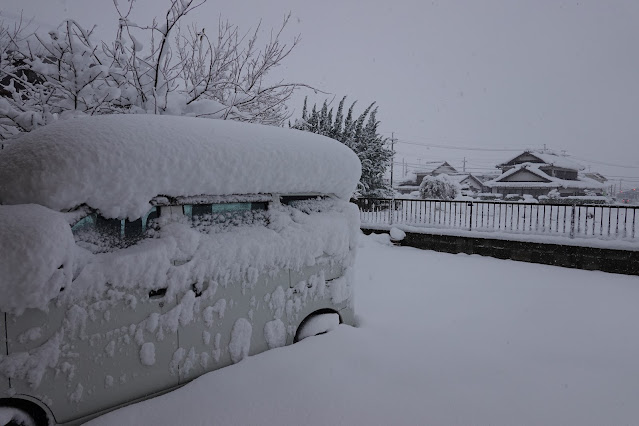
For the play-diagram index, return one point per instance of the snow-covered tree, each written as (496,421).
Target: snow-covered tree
(361,135)
(165,67)
(439,187)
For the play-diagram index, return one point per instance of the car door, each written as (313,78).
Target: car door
(95,357)
(213,340)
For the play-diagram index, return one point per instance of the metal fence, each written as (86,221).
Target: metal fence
(598,221)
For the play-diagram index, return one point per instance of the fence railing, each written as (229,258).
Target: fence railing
(593,221)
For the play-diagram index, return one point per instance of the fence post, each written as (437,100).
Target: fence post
(391,210)
(470,204)
(572,221)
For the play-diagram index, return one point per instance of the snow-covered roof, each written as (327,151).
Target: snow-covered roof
(582,182)
(550,158)
(118,163)
(459,178)
(430,167)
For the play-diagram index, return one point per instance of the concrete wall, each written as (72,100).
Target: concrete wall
(607,260)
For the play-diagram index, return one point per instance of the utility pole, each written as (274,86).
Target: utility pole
(393,157)
(464,169)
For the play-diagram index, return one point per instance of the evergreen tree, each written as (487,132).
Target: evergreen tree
(360,135)
(323,117)
(304,109)
(339,117)
(345,137)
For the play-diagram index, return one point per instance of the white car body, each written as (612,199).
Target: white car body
(150,301)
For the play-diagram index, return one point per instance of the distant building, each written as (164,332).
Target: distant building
(537,173)
(429,169)
(468,182)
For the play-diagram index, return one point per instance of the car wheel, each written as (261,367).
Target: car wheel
(317,324)
(22,413)
(10,416)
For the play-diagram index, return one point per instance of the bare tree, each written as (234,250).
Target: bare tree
(221,77)
(180,71)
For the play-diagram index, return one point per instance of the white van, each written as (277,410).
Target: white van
(138,252)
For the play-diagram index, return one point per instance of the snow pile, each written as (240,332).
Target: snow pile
(118,163)
(397,234)
(37,256)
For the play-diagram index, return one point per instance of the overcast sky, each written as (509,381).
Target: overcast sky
(480,74)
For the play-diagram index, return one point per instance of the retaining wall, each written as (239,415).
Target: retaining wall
(607,260)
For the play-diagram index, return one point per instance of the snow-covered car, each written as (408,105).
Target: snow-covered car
(139,252)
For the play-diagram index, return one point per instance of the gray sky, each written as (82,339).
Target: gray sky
(480,74)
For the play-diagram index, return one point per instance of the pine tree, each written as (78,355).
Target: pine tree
(339,118)
(323,116)
(304,109)
(361,135)
(345,137)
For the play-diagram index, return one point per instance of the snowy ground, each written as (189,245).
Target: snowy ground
(444,340)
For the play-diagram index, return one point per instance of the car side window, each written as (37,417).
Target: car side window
(215,217)
(99,234)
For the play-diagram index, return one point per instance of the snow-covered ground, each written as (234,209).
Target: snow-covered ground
(443,340)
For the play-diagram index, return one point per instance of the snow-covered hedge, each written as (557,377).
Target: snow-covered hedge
(488,196)
(578,200)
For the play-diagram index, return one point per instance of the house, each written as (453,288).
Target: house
(431,168)
(537,173)
(468,181)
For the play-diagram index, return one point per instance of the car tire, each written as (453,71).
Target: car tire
(317,324)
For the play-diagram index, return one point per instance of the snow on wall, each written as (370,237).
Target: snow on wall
(118,163)
(37,249)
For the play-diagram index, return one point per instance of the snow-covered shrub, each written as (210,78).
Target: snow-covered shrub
(439,187)
(488,196)
(554,194)
(513,197)
(577,200)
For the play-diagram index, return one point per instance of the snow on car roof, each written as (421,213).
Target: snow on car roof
(118,163)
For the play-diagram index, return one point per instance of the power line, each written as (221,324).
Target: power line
(606,164)
(468,148)
(465,148)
